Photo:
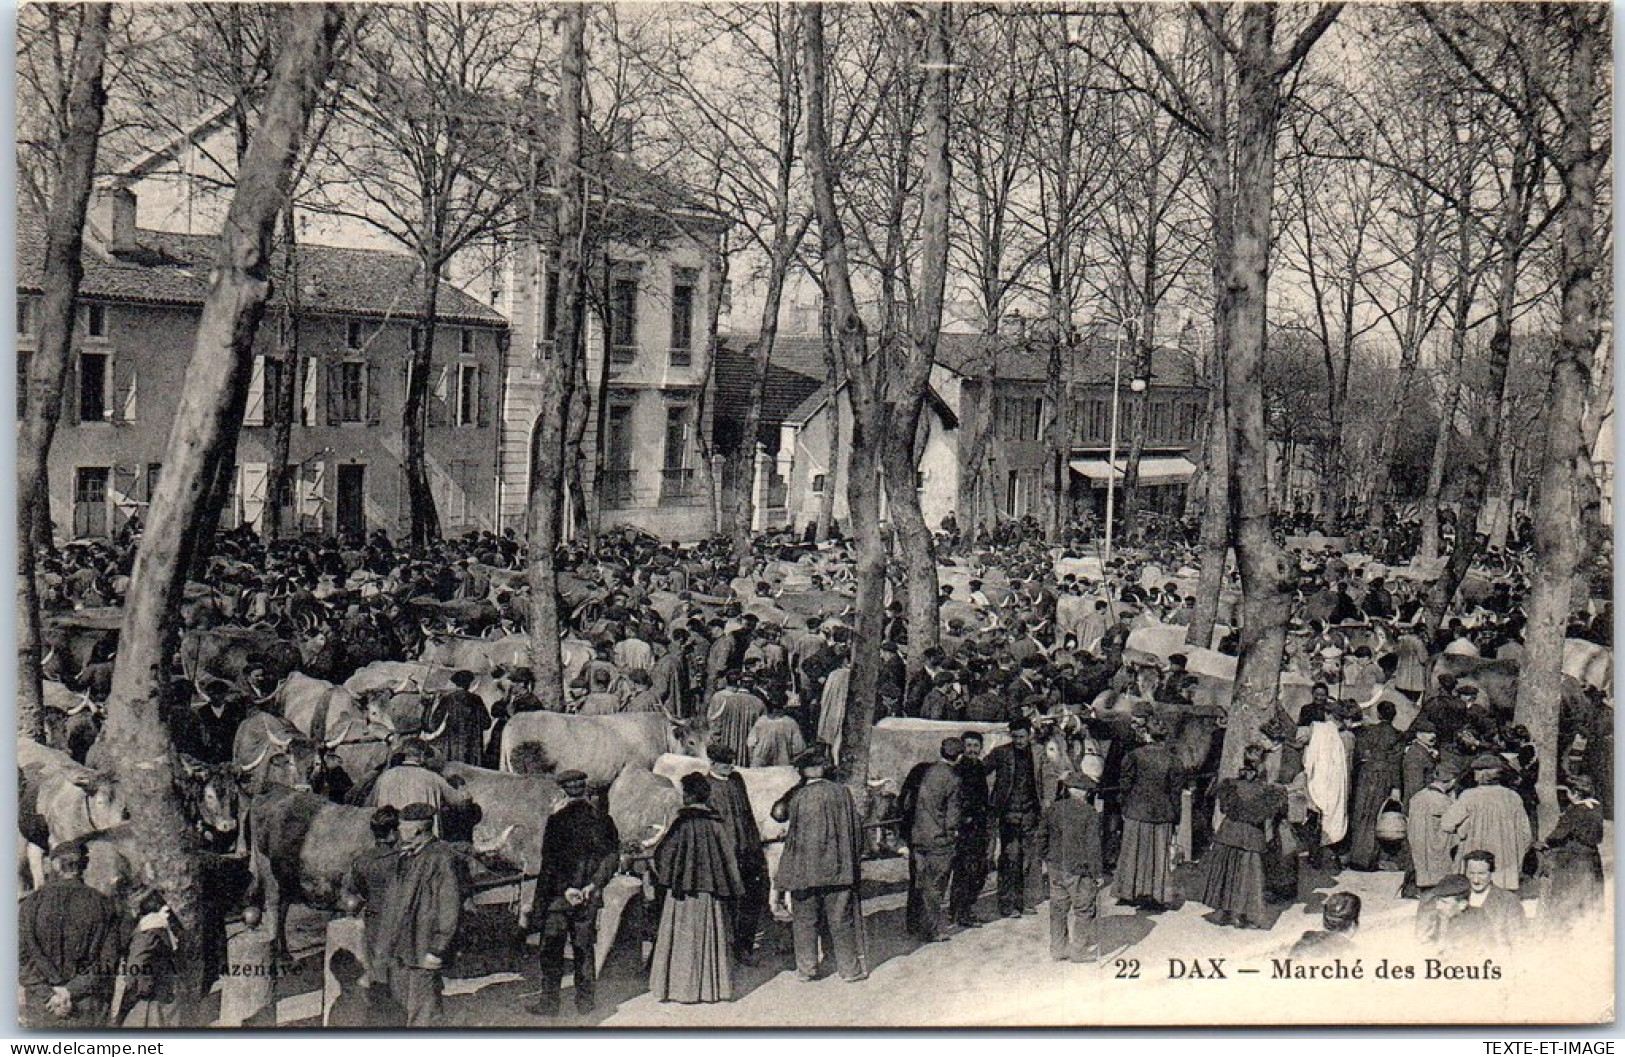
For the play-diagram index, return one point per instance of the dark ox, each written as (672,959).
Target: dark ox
(73,640)
(224,653)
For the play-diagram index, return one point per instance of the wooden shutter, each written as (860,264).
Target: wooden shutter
(482,408)
(335,393)
(307,392)
(440,397)
(124,388)
(254,412)
(121,494)
(313,489)
(374,395)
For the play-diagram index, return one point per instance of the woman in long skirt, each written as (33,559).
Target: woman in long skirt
(1151,780)
(1574,864)
(1234,881)
(699,874)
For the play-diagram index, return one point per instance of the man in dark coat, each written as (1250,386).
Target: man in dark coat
(1020,792)
(417,923)
(970,867)
(1378,748)
(580,850)
(69,937)
(465,720)
(822,851)
(732,804)
(931,816)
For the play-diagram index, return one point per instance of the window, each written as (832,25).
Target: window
(1019,417)
(93,387)
(623,317)
(550,308)
(677,437)
(352,334)
(919,480)
(1094,420)
(1161,426)
(25,316)
(465,342)
(682,324)
(818,483)
(24,358)
(468,393)
(417,338)
(96,320)
(153,469)
(617,483)
(352,391)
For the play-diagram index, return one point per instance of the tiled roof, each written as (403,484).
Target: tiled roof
(1027,360)
(791,378)
(173,269)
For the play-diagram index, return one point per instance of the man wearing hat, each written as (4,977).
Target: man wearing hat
(731,801)
(1421,756)
(823,847)
(462,719)
(1069,846)
(68,936)
(1430,845)
(929,806)
(1490,817)
(580,850)
(422,903)
(1021,790)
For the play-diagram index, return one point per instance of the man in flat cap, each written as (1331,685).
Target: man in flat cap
(69,936)
(417,923)
(822,852)
(930,809)
(580,850)
(1069,846)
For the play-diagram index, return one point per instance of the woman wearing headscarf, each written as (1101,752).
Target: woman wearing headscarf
(1151,780)
(1234,882)
(696,869)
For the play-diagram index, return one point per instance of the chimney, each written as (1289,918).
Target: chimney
(1014,325)
(112,216)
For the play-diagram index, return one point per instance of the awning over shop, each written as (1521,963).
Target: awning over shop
(1154,470)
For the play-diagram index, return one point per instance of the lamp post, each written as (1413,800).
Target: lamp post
(1137,385)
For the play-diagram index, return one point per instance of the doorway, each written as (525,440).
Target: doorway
(352,518)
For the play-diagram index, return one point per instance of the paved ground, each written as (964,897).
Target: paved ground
(1001,974)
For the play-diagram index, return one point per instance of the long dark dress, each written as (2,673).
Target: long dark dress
(695,867)
(1575,865)
(1151,779)
(1234,878)
(1378,751)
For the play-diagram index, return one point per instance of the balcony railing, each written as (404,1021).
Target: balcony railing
(615,488)
(679,486)
(623,355)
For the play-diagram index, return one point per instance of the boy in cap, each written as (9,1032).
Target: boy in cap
(931,812)
(1069,846)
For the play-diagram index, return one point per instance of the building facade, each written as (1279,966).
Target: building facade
(354,310)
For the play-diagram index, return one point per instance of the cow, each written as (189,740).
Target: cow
(73,640)
(72,720)
(897,744)
(474,616)
(477,655)
(224,652)
(599,746)
(513,812)
(1589,664)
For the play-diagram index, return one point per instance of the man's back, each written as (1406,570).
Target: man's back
(821,844)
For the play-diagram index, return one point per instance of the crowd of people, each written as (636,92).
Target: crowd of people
(1106,753)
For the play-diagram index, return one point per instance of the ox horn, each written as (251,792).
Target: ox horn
(653,839)
(250,768)
(334,743)
(487,847)
(437,731)
(278,743)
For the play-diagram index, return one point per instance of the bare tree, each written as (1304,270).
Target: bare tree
(211,404)
(561,373)
(81,106)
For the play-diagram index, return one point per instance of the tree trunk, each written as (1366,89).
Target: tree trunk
(1139,421)
(863,482)
(762,361)
(1514,224)
(211,406)
(281,403)
(1559,536)
(600,409)
(1216,515)
(1428,546)
(549,458)
(424,525)
(64,240)
(713,315)
(1268,578)
(1057,439)
(904,436)
(832,420)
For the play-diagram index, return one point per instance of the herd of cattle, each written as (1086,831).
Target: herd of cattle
(274,840)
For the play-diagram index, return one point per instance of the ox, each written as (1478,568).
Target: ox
(477,655)
(224,652)
(599,746)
